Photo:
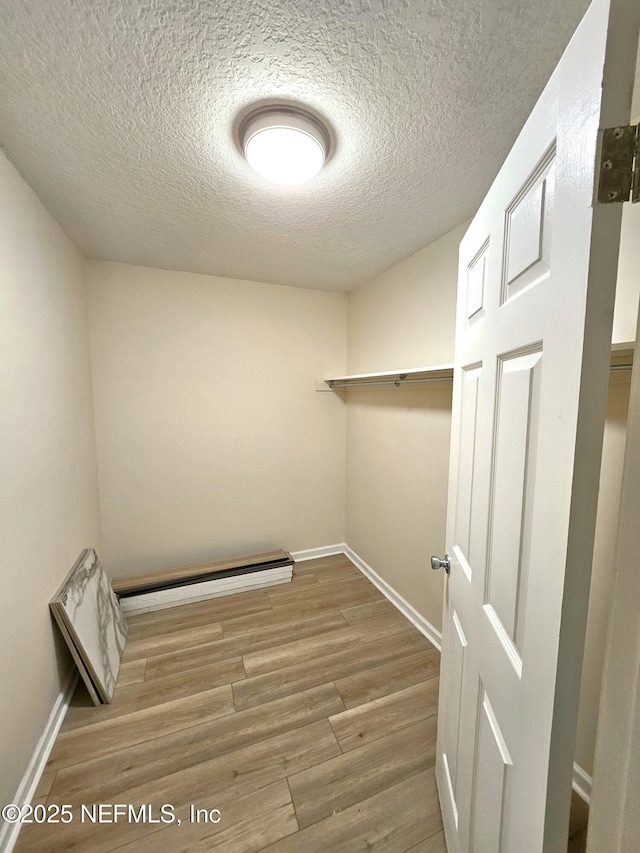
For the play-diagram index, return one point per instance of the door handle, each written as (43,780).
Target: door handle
(437,563)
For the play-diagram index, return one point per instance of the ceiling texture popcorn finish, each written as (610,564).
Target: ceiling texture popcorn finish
(123,116)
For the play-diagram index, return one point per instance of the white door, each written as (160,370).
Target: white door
(535,302)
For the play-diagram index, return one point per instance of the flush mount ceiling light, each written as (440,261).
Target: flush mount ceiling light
(284,145)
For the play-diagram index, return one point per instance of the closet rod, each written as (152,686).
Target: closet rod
(617,367)
(397,382)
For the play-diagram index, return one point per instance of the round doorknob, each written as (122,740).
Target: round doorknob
(437,563)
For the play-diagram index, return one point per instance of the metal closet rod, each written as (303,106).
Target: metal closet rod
(396,382)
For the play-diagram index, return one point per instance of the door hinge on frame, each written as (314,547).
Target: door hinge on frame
(619,178)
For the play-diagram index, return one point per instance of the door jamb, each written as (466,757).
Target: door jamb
(614,821)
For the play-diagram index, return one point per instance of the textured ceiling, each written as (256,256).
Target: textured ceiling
(120,115)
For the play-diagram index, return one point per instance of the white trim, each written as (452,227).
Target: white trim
(581,783)
(317,553)
(161,599)
(417,619)
(27,787)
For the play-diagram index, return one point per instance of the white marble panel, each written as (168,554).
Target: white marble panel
(90,612)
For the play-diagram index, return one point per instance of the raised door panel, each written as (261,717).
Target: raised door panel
(492,764)
(528,231)
(466,467)
(476,285)
(451,722)
(512,497)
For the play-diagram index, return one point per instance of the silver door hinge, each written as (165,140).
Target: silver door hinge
(620,165)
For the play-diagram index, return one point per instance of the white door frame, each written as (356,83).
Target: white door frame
(614,823)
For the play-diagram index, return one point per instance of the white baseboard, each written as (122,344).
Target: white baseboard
(423,625)
(317,553)
(582,783)
(190,593)
(27,787)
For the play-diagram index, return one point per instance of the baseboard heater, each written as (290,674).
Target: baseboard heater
(196,582)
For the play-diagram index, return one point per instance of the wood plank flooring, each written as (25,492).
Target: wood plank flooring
(305,714)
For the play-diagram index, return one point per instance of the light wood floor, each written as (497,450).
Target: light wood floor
(306,714)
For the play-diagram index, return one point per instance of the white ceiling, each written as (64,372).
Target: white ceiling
(120,115)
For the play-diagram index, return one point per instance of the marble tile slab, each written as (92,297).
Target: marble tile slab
(92,624)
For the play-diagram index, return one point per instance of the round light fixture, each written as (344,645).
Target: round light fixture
(284,145)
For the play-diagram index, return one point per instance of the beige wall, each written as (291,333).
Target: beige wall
(625,314)
(398,439)
(406,316)
(212,440)
(397,467)
(48,499)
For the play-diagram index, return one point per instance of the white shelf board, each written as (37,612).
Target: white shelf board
(621,362)
(622,353)
(433,373)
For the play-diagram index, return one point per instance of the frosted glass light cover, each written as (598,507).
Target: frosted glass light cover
(284,155)
(284,145)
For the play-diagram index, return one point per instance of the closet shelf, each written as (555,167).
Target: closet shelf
(622,356)
(410,375)
(621,360)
